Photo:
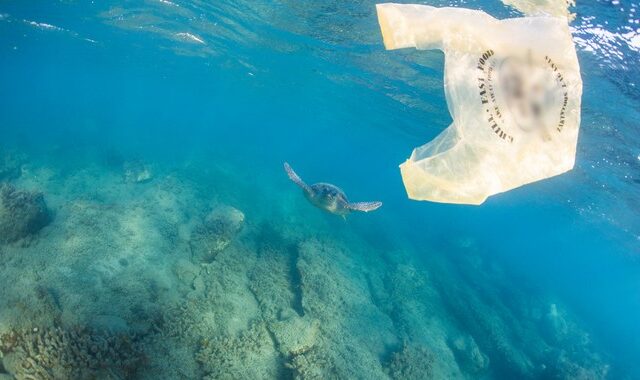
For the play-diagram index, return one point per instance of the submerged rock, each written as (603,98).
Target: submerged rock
(22,213)
(554,325)
(70,353)
(219,229)
(293,334)
(582,365)
(10,165)
(137,172)
(249,355)
(412,362)
(468,354)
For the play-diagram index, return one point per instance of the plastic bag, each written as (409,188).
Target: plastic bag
(513,89)
(558,8)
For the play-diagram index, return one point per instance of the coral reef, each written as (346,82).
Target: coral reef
(275,298)
(554,325)
(22,213)
(407,294)
(274,285)
(412,362)
(576,365)
(217,231)
(491,328)
(294,335)
(72,353)
(190,321)
(314,364)
(496,318)
(250,355)
(468,354)
(336,293)
(10,165)
(571,355)
(136,171)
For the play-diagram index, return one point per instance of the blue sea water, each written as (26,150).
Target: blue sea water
(213,97)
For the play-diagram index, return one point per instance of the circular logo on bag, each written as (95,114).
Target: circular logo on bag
(522,96)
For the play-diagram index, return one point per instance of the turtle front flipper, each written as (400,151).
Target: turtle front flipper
(364,206)
(295,178)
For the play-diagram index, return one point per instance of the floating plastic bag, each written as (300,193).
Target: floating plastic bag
(513,88)
(558,8)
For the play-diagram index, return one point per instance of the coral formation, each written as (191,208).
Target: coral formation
(406,292)
(274,300)
(10,165)
(497,318)
(489,329)
(22,213)
(312,365)
(336,293)
(217,231)
(72,353)
(469,355)
(571,356)
(576,365)
(228,357)
(412,362)
(190,321)
(294,335)
(136,172)
(554,325)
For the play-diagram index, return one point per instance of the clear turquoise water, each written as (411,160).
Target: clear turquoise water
(217,112)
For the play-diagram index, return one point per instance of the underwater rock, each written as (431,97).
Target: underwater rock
(110,323)
(575,365)
(250,355)
(335,291)
(189,321)
(22,213)
(295,335)
(219,229)
(74,353)
(468,354)
(570,353)
(10,165)
(312,365)
(492,332)
(136,172)
(412,362)
(186,272)
(412,300)
(274,282)
(554,325)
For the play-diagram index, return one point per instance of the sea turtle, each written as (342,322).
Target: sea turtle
(329,197)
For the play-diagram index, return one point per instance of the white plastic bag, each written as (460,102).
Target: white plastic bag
(558,8)
(513,89)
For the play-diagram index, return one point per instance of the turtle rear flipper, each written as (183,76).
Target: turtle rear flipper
(295,178)
(364,206)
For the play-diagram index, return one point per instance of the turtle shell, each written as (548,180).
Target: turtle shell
(329,197)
